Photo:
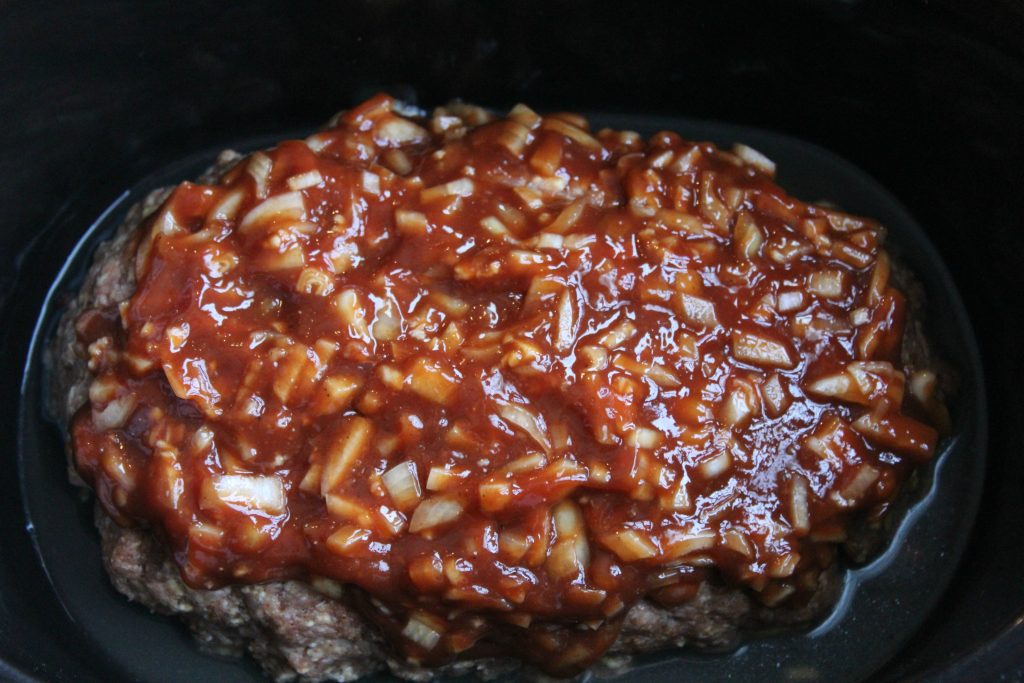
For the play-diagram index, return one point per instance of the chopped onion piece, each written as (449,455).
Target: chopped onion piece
(424,629)
(834,386)
(549,240)
(781,567)
(227,207)
(697,311)
(353,313)
(343,452)
(738,542)
(827,284)
(495,495)
(863,480)
(902,434)
(713,467)
(566,321)
(398,131)
(318,142)
(403,485)
(525,116)
(923,384)
(304,181)
(433,512)
(371,183)
(630,545)
(286,206)
(644,437)
(248,492)
(572,132)
(754,158)
(259,167)
(790,300)
(617,335)
(759,350)
(681,222)
(567,218)
(528,421)
(434,382)
(344,539)
(494,226)
(569,557)
(741,404)
(346,508)
(748,237)
(568,519)
(315,282)
(683,543)
(116,413)
(799,513)
(463,187)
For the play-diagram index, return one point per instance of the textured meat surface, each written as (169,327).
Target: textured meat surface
(299,631)
(296,632)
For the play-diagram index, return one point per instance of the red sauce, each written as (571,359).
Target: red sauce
(502,375)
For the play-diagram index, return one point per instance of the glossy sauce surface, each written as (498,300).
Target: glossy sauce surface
(503,375)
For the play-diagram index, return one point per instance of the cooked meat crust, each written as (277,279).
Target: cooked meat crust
(299,631)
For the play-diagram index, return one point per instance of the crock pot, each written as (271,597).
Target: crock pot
(926,97)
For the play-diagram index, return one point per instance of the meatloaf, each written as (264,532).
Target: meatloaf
(467,393)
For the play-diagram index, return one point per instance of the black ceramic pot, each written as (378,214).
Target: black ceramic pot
(102,98)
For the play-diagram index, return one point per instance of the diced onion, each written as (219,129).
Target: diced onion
(115,414)
(630,545)
(739,406)
(495,495)
(754,158)
(791,300)
(681,544)
(247,492)
(827,284)
(713,467)
(288,205)
(566,321)
(617,335)
(259,167)
(343,452)
(424,629)
(759,350)
(569,557)
(697,311)
(398,131)
(799,512)
(644,437)
(304,181)
(833,386)
(737,542)
(434,512)
(748,237)
(344,539)
(441,478)
(227,207)
(433,381)
(568,217)
(463,187)
(572,132)
(403,485)
(411,222)
(527,420)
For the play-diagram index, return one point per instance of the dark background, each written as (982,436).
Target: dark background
(926,96)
